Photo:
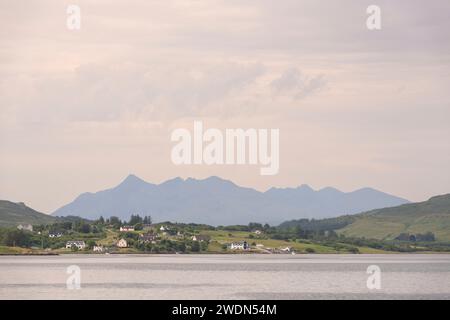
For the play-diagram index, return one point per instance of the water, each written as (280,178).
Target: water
(408,276)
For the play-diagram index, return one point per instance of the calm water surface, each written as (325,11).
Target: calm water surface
(226,277)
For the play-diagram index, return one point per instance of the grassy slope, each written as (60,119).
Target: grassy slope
(221,237)
(432,215)
(14,250)
(13,214)
(22,251)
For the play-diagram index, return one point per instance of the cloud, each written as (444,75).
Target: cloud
(111,92)
(292,82)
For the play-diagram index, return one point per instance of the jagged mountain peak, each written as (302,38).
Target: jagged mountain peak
(217,201)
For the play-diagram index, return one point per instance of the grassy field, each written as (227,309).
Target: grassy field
(111,238)
(14,250)
(25,251)
(219,238)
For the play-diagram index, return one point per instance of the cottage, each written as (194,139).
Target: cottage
(126,228)
(122,243)
(27,227)
(201,238)
(97,249)
(80,245)
(258,232)
(148,238)
(242,245)
(55,234)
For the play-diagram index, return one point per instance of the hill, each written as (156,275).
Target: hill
(13,214)
(432,215)
(387,223)
(216,201)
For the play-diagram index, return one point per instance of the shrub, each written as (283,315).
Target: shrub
(353,250)
(310,250)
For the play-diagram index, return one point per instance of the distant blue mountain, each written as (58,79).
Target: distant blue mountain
(216,201)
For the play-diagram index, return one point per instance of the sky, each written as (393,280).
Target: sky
(82,109)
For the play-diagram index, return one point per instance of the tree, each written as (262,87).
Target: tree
(135,219)
(147,220)
(181,247)
(17,238)
(204,246)
(95,229)
(39,228)
(403,237)
(130,236)
(255,226)
(85,228)
(332,234)
(115,222)
(195,246)
(91,244)
(300,233)
(428,236)
(353,250)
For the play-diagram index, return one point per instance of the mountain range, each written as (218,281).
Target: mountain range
(216,201)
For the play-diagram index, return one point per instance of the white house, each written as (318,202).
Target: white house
(27,227)
(162,228)
(126,228)
(78,244)
(55,234)
(148,238)
(122,243)
(257,232)
(242,245)
(97,249)
(201,238)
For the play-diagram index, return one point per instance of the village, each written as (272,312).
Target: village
(111,236)
(153,237)
(140,235)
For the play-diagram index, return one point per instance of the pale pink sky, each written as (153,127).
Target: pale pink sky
(80,110)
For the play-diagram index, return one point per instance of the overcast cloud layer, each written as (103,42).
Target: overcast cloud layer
(80,110)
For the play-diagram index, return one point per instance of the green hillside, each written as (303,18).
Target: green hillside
(387,223)
(13,214)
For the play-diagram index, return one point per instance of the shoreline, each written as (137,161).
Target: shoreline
(220,254)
